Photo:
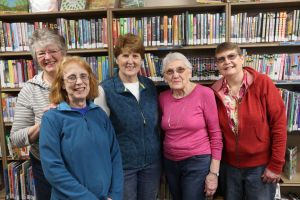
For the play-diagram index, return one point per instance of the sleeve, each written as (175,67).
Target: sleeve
(278,127)
(212,123)
(53,165)
(116,188)
(23,119)
(101,100)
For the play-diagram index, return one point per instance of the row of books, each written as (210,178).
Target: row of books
(174,30)
(204,68)
(276,66)
(8,107)
(292,104)
(79,34)
(280,26)
(19,182)
(83,33)
(14,73)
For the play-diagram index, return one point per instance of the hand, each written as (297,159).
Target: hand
(270,177)
(211,184)
(49,107)
(109,198)
(33,133)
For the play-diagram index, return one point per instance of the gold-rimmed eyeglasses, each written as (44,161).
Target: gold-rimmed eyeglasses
(171,72)
(73,78)
(42,54)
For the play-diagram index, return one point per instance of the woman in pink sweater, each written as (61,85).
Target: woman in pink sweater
(192,137)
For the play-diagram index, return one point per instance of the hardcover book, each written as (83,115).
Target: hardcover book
(17,6)
(72,5)
(290,166)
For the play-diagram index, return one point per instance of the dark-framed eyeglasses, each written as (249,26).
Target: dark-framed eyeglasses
(222,59)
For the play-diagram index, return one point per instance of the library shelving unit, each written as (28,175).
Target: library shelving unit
(194,30)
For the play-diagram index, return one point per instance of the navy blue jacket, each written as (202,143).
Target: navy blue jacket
(135,122)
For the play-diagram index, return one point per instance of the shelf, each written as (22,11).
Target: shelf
(47,15)
(268,44)
(18,158)
(71,51)
(287,82)
(10,89)
(294,182)
(266,6)
(168,48)
(7,124)
(167,10)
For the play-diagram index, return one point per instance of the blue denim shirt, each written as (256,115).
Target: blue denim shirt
(136,122)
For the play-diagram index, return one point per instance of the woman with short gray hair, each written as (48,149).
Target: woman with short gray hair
(47,49)
(192,143)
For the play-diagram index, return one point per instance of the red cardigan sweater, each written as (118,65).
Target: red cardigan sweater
(262,126)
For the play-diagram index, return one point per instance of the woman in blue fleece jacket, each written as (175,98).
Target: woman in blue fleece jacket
(79,151)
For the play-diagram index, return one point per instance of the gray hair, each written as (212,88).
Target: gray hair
(43,37)
(170,57)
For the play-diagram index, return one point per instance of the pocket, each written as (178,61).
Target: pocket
(262,135)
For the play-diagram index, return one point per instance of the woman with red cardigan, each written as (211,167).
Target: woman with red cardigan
(253,122)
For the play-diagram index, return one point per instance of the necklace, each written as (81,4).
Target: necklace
(174,117)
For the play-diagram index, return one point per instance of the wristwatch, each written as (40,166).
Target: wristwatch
(216,174)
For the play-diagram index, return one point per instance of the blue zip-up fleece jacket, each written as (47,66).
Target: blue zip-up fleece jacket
(80,155)
(135,122)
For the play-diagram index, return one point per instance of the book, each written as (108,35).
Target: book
(43,6)
(72,5)
(96,4)
(14,6)
(290,166)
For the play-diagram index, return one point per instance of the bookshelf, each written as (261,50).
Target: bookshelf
(189,41)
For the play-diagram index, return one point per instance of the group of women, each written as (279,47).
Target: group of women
(104,142)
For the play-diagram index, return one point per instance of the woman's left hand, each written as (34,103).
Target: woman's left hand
(211,184)
(270,177)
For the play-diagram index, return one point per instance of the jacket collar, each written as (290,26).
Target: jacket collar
(119,85)
(63,106)
(217,86)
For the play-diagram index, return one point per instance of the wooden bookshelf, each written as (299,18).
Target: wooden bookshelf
(194,50)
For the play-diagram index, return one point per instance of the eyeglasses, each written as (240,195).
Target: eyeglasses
(171,72)
(222,59)
(73,78)
(42,54)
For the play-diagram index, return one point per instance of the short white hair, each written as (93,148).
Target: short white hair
(171,57)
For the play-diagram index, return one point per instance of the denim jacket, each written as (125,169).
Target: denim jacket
(136,122)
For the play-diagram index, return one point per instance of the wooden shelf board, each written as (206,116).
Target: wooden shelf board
(7,124)
(294,182)
(10,89)
(71,51)
(75,13)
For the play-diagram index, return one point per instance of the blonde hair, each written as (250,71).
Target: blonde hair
(58,94)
